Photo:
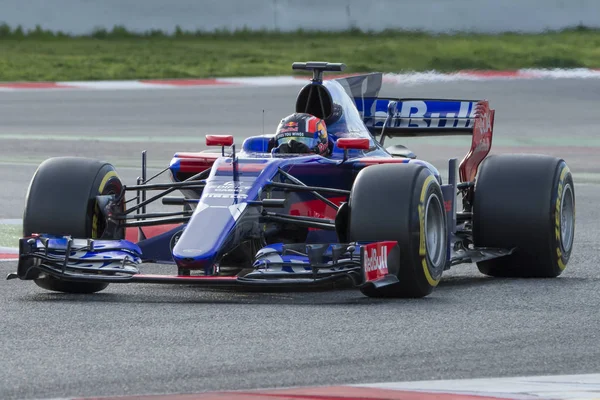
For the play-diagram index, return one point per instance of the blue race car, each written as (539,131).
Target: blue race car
(379,219)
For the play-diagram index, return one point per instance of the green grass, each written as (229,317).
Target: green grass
(40,55)
(10,235)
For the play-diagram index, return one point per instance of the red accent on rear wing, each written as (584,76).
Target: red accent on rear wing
(481,142)
(422,117)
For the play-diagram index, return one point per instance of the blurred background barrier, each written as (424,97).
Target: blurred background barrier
(484,16)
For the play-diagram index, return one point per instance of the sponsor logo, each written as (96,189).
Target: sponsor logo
(482,130)
(229,187)
(448,205)
(485,125)
(289,127)
(283,134)
(322,147)
(226,195)
(483,145)
(227,190)
(416,114)
(375,261)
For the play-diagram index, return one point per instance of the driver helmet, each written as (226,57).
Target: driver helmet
(301,133)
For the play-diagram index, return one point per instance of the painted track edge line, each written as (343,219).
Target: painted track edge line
(293,80)
(546,387)
(9,254)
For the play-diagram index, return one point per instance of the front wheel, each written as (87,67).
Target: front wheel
(61,200)
(403,203)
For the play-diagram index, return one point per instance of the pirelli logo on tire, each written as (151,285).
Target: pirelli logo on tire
(564,217)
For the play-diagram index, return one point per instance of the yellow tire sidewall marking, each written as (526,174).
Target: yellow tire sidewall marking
(557,221)
(422,247)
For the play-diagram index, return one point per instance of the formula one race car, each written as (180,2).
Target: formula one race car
(381,219)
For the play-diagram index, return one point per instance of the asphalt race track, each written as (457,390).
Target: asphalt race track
(162,339)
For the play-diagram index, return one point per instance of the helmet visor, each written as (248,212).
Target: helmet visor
(311,142)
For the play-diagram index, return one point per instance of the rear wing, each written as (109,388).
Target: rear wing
(390,117)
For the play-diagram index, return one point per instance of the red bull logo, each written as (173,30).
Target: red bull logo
(289,127)
(375,262)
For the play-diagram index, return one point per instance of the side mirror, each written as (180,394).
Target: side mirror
(220,140)
(352,143)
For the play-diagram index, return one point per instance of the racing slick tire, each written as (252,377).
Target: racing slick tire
(403,203)
(61,200)
(524,202)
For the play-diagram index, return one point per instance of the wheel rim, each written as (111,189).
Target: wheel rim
(435,234)
(112,187)
(567,218)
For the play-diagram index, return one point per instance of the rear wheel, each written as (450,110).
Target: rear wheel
(61,200)
(526,202)
(403,203)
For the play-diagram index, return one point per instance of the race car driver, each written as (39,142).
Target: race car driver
(301,133)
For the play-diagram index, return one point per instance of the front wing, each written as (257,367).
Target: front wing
(277,265)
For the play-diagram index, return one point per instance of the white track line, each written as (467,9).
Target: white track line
(563,387)
(407,78)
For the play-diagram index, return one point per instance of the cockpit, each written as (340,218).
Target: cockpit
(334,101)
